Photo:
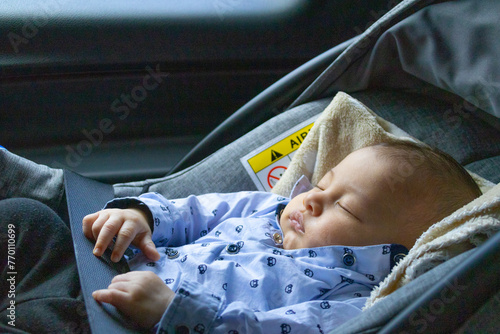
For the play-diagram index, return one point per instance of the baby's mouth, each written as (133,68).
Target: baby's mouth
(297,221)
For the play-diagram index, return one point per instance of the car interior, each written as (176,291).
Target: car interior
(160,74)
(172,98)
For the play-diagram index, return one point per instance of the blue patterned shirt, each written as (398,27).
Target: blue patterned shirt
(222,255)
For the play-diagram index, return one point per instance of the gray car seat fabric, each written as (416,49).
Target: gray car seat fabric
(374,318)
(485,320)
(20,177)
(468,134)
(451,45)
(223,171)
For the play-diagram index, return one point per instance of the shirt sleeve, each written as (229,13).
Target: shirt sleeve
(181,221)
(214,316)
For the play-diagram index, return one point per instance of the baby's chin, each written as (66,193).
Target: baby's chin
(291,241)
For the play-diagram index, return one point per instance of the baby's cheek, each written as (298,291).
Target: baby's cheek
(316,239)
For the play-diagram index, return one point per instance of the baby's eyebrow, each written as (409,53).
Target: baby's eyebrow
(328,176)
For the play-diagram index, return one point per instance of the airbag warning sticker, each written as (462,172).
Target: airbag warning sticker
(266,164)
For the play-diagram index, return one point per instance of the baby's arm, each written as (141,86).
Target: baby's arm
(130,226)
(216,314)
(140,295)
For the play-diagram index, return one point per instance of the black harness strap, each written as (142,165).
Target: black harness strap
(85,196)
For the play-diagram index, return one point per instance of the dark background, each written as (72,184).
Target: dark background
(76,89)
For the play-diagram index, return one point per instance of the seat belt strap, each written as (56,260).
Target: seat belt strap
(85,196)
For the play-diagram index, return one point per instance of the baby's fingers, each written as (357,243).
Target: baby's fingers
(104,231)
(147,246)
(125,236)
(114,297)
(87,223)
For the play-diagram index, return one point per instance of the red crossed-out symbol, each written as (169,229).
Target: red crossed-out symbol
(275,175)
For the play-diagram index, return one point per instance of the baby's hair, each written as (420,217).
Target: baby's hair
(437,179)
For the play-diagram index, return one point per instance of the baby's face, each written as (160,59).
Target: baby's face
(352,205)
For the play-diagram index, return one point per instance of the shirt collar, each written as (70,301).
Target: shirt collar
(302,185)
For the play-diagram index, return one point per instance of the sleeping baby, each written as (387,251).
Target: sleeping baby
(255,262)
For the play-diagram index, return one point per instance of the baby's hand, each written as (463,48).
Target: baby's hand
(140,295)
(129,225)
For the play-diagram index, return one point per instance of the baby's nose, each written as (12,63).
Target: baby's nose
(313,203)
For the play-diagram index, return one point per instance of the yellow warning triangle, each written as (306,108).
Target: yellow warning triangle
(275,155)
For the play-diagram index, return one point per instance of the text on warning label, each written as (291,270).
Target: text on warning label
(279,150)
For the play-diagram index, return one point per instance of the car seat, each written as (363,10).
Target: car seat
(430,67)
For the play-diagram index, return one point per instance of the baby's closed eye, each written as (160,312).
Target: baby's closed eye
(346,209)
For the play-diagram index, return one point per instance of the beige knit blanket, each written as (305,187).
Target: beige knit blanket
(346,125)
